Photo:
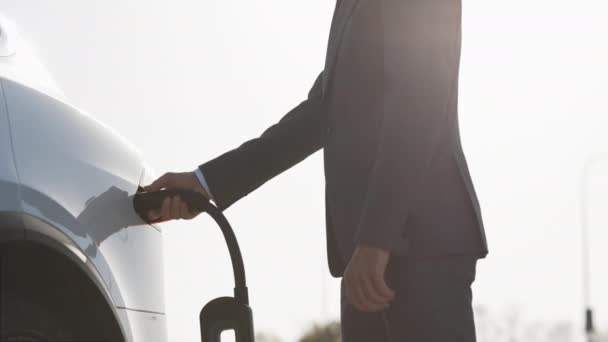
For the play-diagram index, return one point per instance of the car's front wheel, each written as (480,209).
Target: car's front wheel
(45,296)
(27,320)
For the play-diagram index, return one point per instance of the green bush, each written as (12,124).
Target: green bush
(326,332)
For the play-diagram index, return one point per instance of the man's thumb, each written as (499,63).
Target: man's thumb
(158,184)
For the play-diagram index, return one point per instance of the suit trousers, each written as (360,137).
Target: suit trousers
(433,303)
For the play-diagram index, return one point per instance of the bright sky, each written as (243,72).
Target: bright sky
(188,79)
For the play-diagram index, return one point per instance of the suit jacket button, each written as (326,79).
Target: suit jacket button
(329,131)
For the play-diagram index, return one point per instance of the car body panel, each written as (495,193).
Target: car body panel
(79,175)
(9,201)
(145,326)
(64,168)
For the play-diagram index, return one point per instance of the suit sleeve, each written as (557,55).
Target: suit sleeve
(300,133)
(420,60)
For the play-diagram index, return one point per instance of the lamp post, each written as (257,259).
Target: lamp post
(585,255)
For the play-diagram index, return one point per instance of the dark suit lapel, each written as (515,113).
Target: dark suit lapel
(344,11)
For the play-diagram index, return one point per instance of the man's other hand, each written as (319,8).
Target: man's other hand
(174,208)
(364,281)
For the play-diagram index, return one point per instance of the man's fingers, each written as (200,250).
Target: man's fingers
(165,209)
(350,292)
(371,295)
(363,302)
(381,288)
(172,208)
(184,212)
(362,294)
(364,276)
(174,211)
(354,294)
(153,215)
(158,184)
(369,303)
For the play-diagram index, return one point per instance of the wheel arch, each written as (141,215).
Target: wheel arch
(18,229)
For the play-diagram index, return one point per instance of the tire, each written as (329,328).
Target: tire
(44,296)
(26,320)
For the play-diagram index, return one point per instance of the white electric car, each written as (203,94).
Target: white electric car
(76,263)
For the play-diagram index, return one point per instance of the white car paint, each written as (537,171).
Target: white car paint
(8,37)
(64,167)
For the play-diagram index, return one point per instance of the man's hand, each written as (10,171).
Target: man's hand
(174,208)
(364,281)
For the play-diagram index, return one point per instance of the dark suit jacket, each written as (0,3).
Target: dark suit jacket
(385,111)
